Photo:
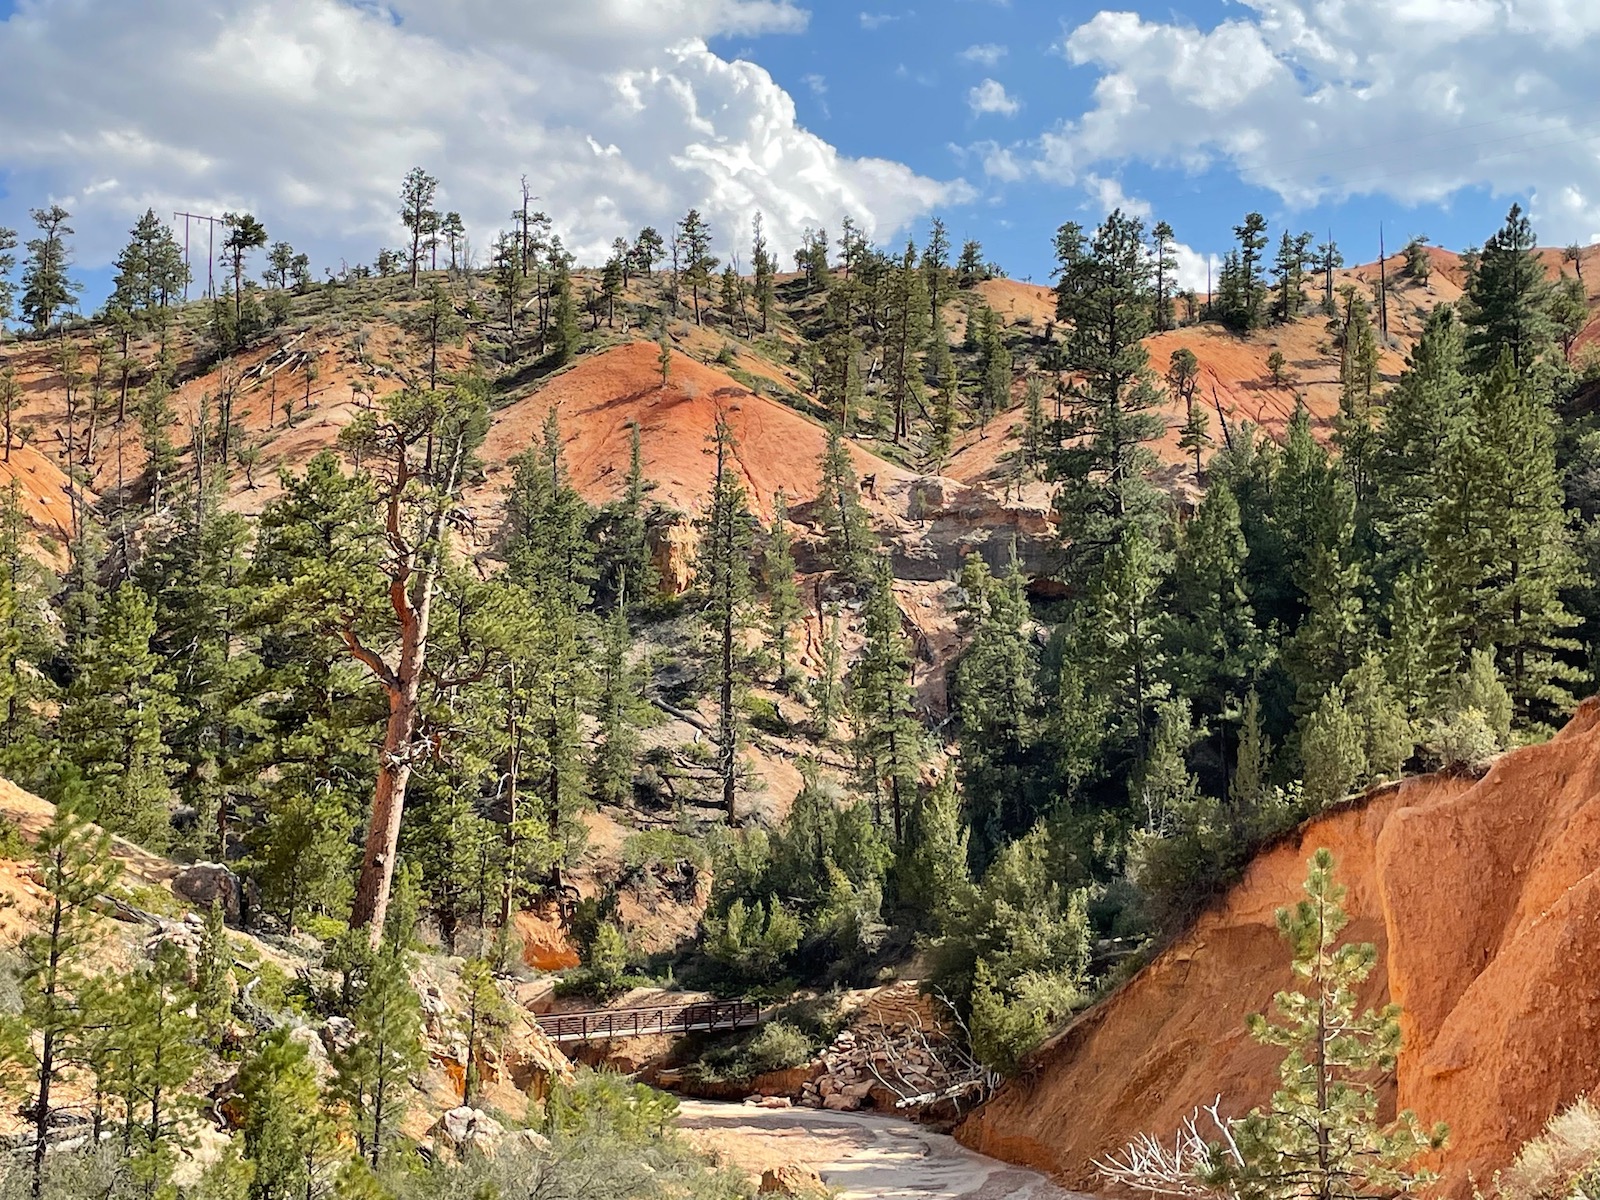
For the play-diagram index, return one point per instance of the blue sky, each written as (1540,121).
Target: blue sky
(1007,117)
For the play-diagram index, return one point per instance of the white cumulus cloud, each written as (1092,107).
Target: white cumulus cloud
(990,96)
(309,112)
(987,54)
(1414,99)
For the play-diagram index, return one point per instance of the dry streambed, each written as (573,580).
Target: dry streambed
(863,1157)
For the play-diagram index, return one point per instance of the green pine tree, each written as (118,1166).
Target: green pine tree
(846,528)
(288,1136)
(372,1074)
(783,593)
(887,735)
(722,573)
(1320,1136)
(75,869)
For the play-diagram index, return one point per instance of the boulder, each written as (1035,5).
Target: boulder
(207,883)
(791,1181)
(465,1129)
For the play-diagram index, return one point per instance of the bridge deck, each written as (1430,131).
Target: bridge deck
(607,1024)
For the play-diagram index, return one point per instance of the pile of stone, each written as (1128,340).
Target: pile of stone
(900,1064)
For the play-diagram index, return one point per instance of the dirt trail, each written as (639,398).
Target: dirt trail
(862,1157)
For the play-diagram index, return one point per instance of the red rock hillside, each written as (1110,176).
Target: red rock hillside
(1483,897)
(599,398)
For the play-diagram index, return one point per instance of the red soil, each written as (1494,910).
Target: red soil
(1484,902)
(598,399)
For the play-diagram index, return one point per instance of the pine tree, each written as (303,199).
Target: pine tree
(627,569)
(75,868)
(1499,542)
(417,213)
(1358,378)
(24,645)
(932,883)
(1328,259)
(994,392)
(550,555)
(485,1015)
(1420,413)
(1252,238)
(940,371)
(245,235)
(1105,463)
(1215,646)
(1332,750)
(612,283)
(905,334)
(694,237)
(1320,1137)
(783,594)
(564,338)
(828,700)
(47,288)
(8,263)
(510,280)
(935,266)
(995,698)
(846,527)
(161,1052)
(887,735)
(1166,269)
(287,1134)
(1380,720)
(722,571)
(112,724)
(213,976)
(1126,658)
(1252,764)
(969,267)
(372,1074)
(765,268)
(150,271)
(620,710)
(664,351)
(1506,306)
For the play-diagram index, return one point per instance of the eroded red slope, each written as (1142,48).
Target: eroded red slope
(1483,897)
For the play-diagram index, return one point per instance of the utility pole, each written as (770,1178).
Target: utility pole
(1383,288)
(211,255)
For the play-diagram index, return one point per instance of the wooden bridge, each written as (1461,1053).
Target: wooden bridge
(609,1023)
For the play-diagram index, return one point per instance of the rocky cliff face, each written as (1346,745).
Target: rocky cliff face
(1483,897)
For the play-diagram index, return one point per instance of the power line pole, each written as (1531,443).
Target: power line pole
(211,256)
(1383,286)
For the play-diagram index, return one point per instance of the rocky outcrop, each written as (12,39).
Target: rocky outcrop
(464,1130)
(208,883)
(1483,898)
(946,521)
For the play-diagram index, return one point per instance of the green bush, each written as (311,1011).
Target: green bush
(776,1046)
(653,848)
(12,845)
(764,715)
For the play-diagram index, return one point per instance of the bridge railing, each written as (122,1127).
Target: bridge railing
(606,1024)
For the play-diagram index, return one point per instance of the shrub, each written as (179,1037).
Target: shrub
(651,848)
(776,1046)
(12,846)
(1562,1162)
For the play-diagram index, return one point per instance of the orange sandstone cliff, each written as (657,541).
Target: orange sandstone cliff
(1483,897)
